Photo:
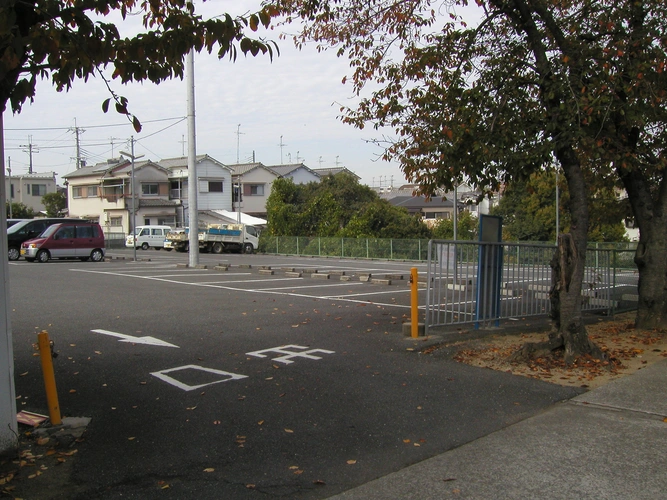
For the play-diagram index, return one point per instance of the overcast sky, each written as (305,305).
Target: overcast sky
(296,97)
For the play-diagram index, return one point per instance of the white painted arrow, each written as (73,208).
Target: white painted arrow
(136,340)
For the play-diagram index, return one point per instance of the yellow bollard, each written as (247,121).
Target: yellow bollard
(414,303)
(49,377)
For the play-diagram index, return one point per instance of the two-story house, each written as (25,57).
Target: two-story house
(298,172)
(253,182)
(29,189)
(103,192)
(214,185)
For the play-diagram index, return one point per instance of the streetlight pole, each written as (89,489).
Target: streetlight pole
(134,196)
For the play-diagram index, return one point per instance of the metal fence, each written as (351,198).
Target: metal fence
(359,248)
(481,283)
(114,239)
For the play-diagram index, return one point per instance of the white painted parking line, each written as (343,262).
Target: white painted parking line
(136,340)
(199,274)
(253,281)
(323,285)
(369,293)
(267,291)
(162,375)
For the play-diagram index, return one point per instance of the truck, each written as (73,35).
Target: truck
(216,238)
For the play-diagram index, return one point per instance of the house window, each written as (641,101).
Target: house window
(116,221)
(38,189)
(208,186)
(255,190)
(11,191)
(149,189)
(112,192)
(92,191)
(76,192)
(166,221)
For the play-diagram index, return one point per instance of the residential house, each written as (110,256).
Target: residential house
(298,172)
(29,189)
(103,192)
(254,182)
(429,209)
(214,182)
(323,172)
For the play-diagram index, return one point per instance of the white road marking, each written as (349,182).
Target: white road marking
(136,340)
(162,375)
(288,354)
(323,285)
(239,289)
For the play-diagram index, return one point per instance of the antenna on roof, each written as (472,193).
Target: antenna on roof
(282,145)
(182,141)
(238,137)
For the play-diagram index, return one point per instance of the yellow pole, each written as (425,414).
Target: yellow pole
(414,303)
(49,377)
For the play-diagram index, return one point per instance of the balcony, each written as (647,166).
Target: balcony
(178,194)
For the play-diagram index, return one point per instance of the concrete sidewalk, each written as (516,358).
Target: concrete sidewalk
(610,443)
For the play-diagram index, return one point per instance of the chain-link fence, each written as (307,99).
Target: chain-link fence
(357,248)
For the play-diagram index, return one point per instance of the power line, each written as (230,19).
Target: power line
(180,118)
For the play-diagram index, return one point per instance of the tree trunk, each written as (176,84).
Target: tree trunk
(652,287)
(569,331)
(649,207)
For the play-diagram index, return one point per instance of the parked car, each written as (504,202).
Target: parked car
(68,240)
(147,237)
(11,222)
(27,229)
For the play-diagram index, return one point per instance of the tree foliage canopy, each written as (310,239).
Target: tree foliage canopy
(528,209)
(20,211)
(64,40)
(337,206)
(581,82)
(54,203)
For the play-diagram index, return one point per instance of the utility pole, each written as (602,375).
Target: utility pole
(11,194)
(8,423)
(77,131)
(193,236)
(134,195)
(282,145)
(337,160)
(31,149)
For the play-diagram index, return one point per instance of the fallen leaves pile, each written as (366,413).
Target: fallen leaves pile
(33,460)
(627,350)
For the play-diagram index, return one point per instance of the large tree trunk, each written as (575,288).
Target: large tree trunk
(650,210)
(569,331)
(652,266)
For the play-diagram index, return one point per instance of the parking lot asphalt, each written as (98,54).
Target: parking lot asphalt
(236,383)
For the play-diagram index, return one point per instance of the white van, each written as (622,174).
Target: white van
(147,237)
